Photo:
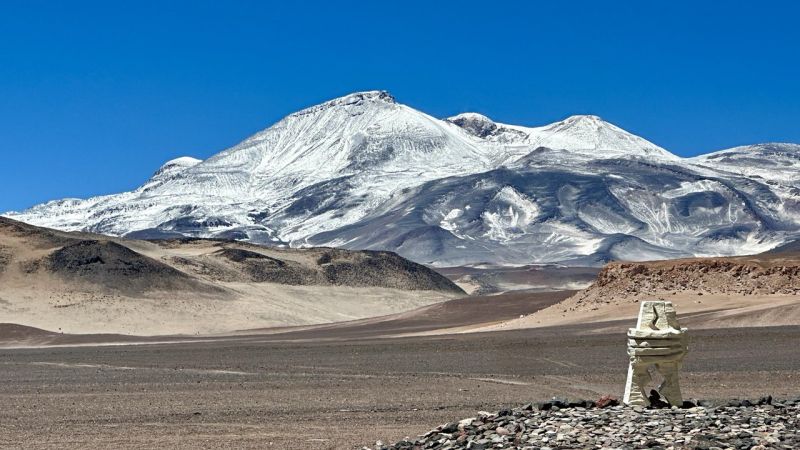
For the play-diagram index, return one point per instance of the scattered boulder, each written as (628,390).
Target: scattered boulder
(607,401)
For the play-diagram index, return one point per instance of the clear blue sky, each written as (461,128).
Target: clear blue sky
(95,96)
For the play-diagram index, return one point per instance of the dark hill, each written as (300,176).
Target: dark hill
(116,267)
(383,269)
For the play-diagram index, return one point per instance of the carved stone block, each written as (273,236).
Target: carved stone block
(656,348)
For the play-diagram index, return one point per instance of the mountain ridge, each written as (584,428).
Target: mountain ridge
(580,190)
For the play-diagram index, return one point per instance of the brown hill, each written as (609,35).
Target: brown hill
(757,290)
(79,282)
(318,267)
(702,276)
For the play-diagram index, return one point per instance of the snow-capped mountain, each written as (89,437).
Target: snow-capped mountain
(772,161)
(363,171)
(588,136)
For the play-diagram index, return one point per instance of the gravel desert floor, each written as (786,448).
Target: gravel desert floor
(291,391)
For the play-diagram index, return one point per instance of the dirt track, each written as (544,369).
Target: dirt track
(252,391)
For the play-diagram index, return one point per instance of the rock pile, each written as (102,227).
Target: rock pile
(762,424)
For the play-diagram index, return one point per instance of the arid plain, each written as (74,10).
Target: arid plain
(395,370)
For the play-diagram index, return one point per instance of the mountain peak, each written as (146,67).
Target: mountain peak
(174,166)
(474,123)
(773,146)
(584,118)
(469,116)
(183,161)
(350,100)
(763,149)
(593,136)
(355,97)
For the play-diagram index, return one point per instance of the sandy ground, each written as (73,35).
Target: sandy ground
(458,315)
(695,311)
(262,305)
(531,278)
(336,385)
(272,392)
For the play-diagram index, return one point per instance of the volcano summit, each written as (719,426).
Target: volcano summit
(365,172)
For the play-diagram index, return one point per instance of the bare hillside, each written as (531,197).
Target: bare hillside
(733,276)
(84,283)
(759,290)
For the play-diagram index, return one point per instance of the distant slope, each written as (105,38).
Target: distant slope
(792,247)
(83,283)
(366,172)
(759,290)
(452,316)
(489,279)
(755,275)
(772,161)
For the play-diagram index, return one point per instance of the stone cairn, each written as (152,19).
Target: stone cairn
(656,348)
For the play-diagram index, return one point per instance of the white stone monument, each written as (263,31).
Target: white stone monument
(656,348)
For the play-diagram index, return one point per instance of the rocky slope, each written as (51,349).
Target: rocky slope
(744,291)
(741,276)
(366,172)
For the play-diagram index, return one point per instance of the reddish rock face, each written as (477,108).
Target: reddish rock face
(763,274)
